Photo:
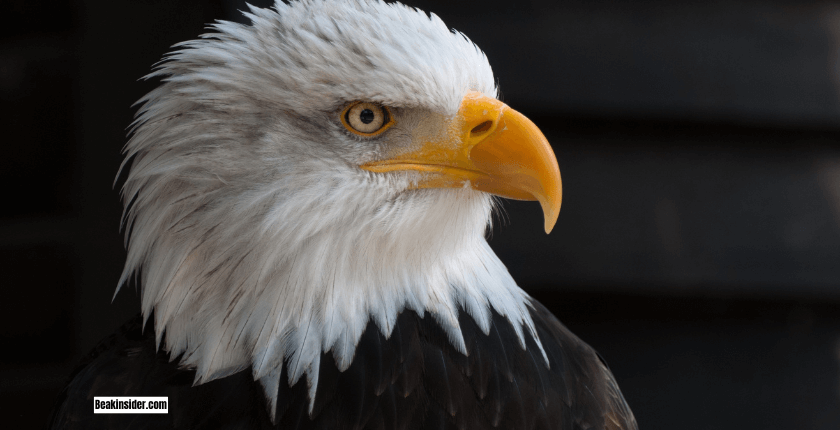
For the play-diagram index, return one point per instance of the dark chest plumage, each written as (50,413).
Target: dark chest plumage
(413,380)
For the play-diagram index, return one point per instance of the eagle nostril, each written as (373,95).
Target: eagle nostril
(481,128)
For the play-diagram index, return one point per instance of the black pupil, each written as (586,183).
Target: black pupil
(366,116)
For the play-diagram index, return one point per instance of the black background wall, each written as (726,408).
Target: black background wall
(697,248)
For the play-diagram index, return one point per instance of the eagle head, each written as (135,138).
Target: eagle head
(330,164)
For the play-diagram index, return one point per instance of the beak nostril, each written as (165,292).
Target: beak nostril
(481,128)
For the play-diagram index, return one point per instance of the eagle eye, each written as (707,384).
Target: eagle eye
(366,118)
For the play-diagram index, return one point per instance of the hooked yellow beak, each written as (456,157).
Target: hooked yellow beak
(494,149)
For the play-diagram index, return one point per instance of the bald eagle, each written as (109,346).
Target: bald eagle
(305,210)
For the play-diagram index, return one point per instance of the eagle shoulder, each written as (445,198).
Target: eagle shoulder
(412,379)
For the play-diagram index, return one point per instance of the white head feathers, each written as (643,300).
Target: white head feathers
(257,238)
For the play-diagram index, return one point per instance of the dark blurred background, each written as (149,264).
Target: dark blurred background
(698,248)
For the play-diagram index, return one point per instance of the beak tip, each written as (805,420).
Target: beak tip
(550,221)
(551,208)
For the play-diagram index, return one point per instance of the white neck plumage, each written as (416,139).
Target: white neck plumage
(260,301)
